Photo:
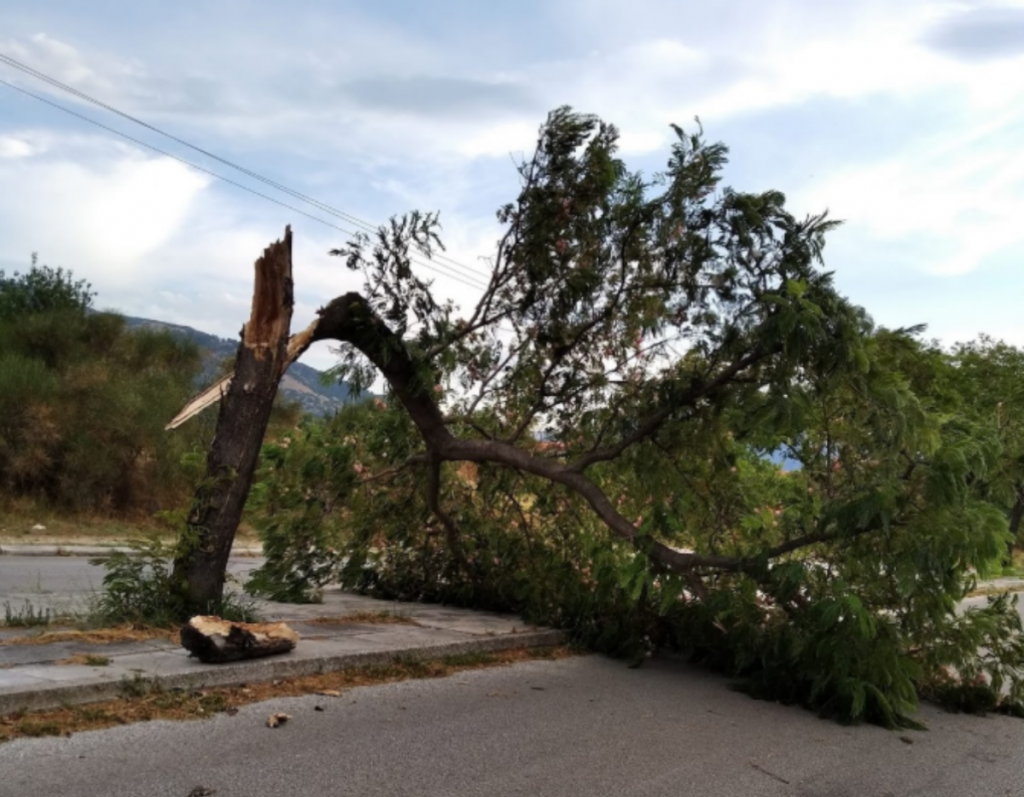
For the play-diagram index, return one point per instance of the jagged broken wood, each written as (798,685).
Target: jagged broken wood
(246,397)
(215,641)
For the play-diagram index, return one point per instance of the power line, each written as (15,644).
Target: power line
(470,272)
(436,267)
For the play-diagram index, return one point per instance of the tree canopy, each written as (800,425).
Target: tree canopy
(643,348)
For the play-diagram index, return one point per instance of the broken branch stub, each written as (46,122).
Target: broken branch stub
(246,399)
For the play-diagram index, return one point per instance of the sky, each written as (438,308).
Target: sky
(904,118)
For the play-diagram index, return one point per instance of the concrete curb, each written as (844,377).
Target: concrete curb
(93,550)
(262,670)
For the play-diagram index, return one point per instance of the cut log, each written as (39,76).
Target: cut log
(214,641)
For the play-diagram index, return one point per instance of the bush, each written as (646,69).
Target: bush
(137,589)
(835,640)
(83,401)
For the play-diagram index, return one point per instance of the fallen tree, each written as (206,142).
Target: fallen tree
(640,328)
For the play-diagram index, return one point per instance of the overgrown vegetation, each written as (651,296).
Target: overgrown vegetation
(137,590)
(26,616)
(593,445)
(83,401)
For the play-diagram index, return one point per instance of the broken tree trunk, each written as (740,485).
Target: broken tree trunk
(245,404)
(214,641)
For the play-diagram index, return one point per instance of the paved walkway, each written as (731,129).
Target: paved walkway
(32,677)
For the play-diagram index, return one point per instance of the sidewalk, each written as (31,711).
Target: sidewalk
(31,676)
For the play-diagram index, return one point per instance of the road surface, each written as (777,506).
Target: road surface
(67,583)
(586,726)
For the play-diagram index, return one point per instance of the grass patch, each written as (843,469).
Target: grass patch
(144,700)
(18,517)
(384,617)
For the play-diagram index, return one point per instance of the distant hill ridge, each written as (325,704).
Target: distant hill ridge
(301,383)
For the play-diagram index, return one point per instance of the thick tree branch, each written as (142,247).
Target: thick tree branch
(349,319)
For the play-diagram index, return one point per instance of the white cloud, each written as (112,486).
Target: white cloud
(158,241)
(12,147)
(138,206)
(965,196)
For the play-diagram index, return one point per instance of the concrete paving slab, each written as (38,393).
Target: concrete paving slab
(68,673)
(18,680)
(30,678)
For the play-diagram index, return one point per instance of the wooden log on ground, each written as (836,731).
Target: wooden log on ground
(215,641)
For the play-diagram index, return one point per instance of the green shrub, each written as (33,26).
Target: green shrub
(84,401)
(137,589)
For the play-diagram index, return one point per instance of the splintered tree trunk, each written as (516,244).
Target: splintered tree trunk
(201,562)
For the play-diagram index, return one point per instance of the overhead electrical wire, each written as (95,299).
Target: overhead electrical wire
(447,268)
(255,175)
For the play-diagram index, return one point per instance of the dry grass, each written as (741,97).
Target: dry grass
(144,702)
(18,517)
(364,618)
(99,636)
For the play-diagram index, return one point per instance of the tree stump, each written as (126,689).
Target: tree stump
(215,641)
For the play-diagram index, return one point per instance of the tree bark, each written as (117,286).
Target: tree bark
(201,560)
(1016,515)
(213,641)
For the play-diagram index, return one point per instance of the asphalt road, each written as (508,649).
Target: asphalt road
(585,726)
(66,582)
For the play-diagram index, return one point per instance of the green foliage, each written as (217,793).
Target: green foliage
(42,290)
(137,589)
(83,402)
(645,346)
(27,616)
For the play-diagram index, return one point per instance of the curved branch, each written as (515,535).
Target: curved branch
(349,319)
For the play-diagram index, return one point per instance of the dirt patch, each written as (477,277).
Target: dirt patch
(363,618)
(87,659)
(144,701)
(20,522)
(99,636)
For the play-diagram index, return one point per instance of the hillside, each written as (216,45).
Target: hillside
(300,384)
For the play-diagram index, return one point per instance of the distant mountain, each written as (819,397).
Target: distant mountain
(300,384)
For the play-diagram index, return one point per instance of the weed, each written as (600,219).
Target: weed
(46,728)
(138,686)
(94,660)
(26,617)
(469,659)
(98,636)
(137,589)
